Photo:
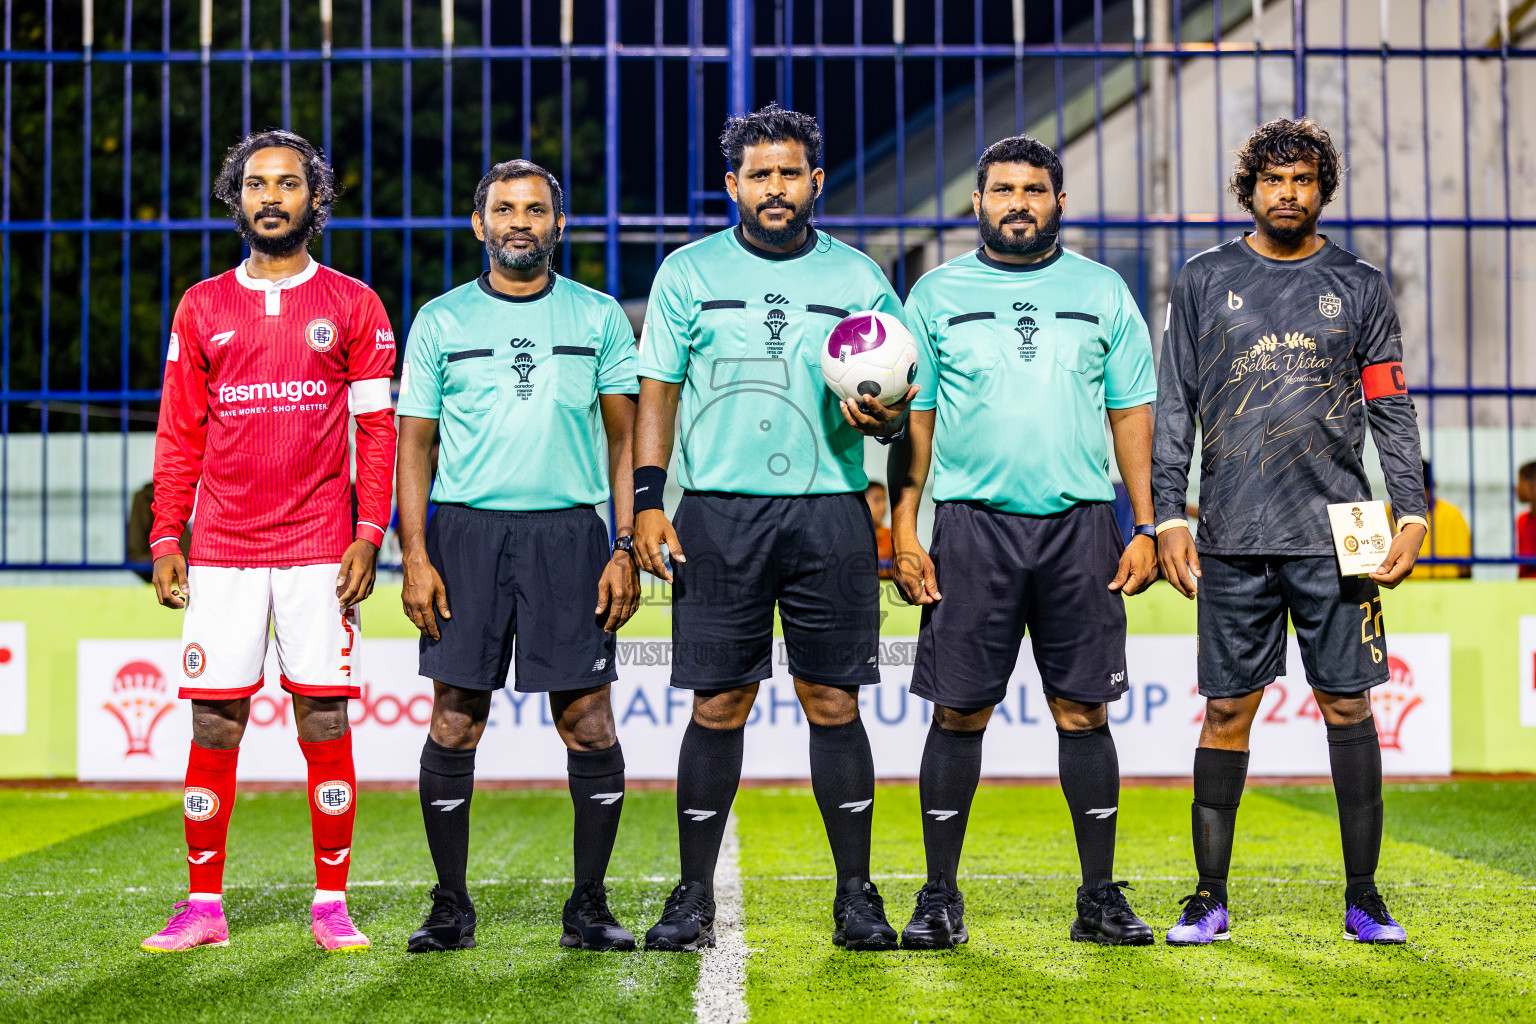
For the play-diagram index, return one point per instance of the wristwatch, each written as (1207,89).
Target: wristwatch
(1145,530)
(625,543)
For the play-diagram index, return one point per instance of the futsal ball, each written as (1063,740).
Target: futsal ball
(869,355)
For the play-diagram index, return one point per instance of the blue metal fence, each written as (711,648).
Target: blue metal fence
(117,113)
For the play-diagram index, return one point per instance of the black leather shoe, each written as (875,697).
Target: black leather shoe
(859,913)
(450,925)
(939,920)
(1103,916)
(687,921)
(589,924)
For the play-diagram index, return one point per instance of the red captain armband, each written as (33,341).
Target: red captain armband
(1383,379)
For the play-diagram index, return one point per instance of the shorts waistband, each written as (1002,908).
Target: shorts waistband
(782,497)
(984,507)
(497,513)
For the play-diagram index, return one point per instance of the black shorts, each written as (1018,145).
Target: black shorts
(1002,575)
(1243,604)
(814,555)
(529,574)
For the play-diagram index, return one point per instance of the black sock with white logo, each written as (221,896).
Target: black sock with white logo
(1090,780)
(1219,779)
(708,772)
(1354,752)
(946,784)
(447,784)
(843,779)
(597,793)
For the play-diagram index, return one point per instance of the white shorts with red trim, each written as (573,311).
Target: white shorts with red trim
(231,612)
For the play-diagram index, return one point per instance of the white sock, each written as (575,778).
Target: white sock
(330,896)
(207,897)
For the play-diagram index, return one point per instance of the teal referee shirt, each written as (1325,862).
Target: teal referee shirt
(1021,361)
(742,328)
(513,383)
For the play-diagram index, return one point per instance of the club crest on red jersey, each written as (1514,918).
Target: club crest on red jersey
(321,335)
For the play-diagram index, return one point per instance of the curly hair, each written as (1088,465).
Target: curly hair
(317,173)
(1279,143)
(770,124)
(1020,149)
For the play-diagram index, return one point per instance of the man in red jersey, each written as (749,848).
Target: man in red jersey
(265,362)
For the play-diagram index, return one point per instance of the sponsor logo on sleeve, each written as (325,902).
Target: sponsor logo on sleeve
(383,338)
(173,350)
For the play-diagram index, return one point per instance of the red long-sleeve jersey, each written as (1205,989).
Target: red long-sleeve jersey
(259,377)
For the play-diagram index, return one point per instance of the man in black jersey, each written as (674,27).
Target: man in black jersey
(1283,345)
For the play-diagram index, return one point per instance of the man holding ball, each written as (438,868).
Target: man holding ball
(773,509)
(1022,349)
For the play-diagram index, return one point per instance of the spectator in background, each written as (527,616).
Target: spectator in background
(1525,522)
(140,518)
(879,504)
(1448,537)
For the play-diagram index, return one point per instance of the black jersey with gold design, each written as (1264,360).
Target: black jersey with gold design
(1282,362)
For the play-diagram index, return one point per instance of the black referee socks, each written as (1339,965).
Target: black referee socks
(708,772)
(946,784)
(1354,752)
(447,783)
(1219,779)
(843,779)
(1090,780)
(597,792)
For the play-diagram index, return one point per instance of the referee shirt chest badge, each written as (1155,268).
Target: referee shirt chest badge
(1026,329)
(523,365)
(1330,305)
(776,321)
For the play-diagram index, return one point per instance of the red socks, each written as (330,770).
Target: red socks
(332,806)
(207,802)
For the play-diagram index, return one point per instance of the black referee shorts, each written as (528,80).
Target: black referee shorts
(1243,603)
(1002,575)
(814,555)
(528,575)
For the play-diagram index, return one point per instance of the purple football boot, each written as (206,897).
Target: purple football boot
(1366,920)
(1203,921)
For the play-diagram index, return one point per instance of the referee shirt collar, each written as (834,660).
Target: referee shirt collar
(811,239)
(485,285)
(1017,268)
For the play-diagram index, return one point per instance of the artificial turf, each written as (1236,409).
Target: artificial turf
(72,955)
(85,876)
(1469,958)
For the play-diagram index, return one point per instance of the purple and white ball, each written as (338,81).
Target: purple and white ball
(869,354)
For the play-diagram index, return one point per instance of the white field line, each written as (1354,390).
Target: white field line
(720,997)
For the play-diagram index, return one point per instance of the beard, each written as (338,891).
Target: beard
(296,237)
(507,258)
(1290,234)
(1039,243)
(752,223)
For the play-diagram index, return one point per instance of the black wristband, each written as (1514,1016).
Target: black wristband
(650,483)
(1145,530)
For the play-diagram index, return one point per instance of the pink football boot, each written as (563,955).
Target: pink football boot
(334,929)
(195,923)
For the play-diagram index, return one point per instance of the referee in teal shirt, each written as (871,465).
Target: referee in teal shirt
(515,369)
(1023,347)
